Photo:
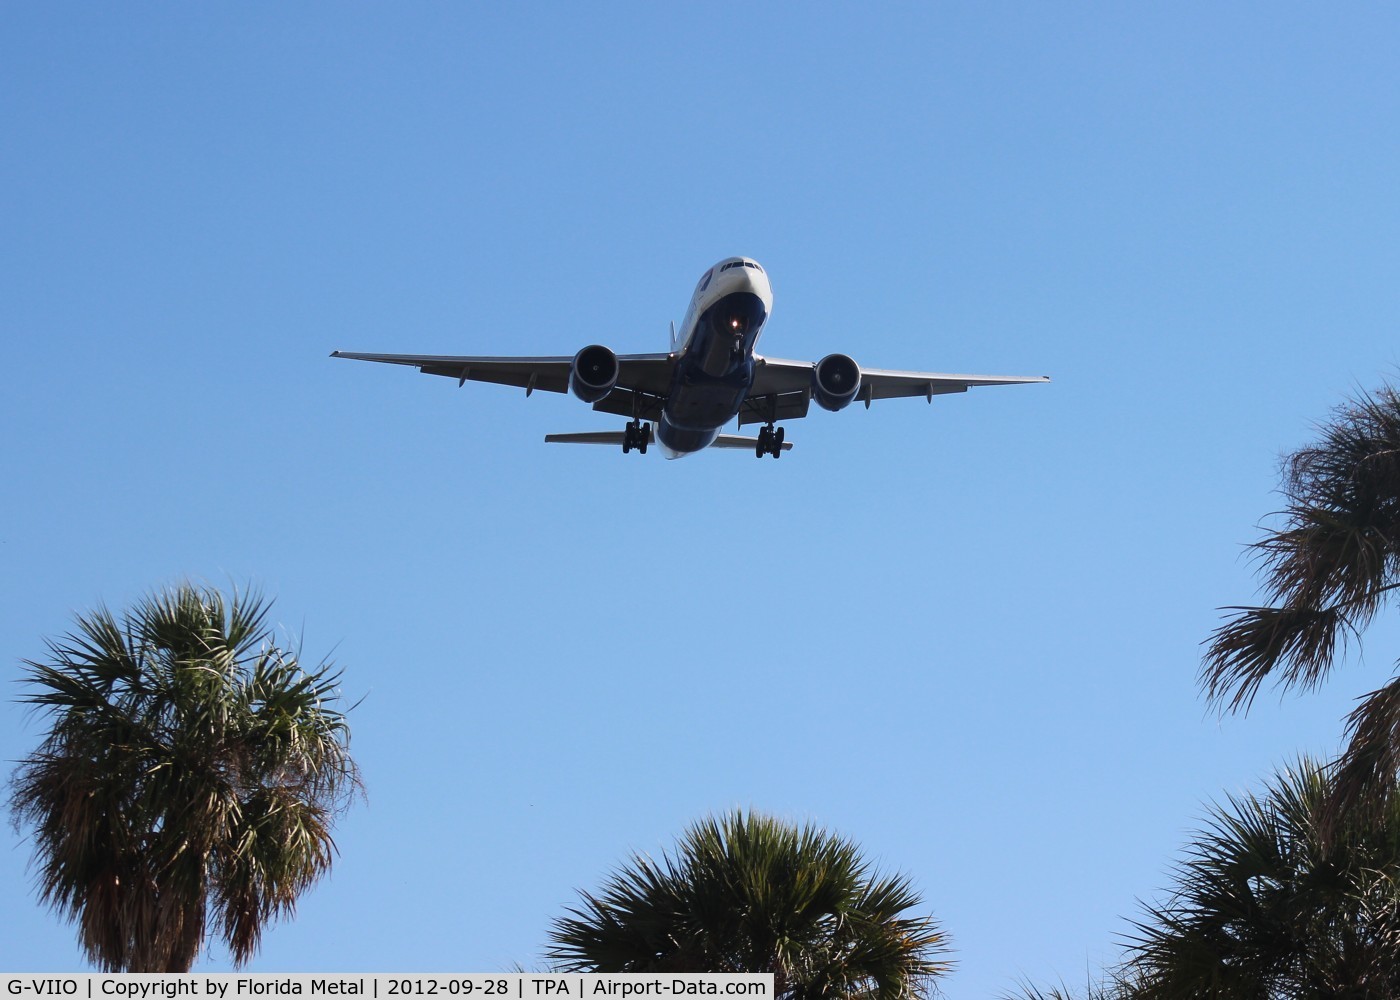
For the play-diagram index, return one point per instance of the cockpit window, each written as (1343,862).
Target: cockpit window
(740,263)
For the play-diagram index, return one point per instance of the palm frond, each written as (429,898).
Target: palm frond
(1115,985)
(745,892)
(1266,905)
(1329,567)
(1364,779)
(1299,643)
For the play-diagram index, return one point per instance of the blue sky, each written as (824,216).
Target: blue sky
(964,635)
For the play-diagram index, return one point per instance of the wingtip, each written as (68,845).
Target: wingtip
(335,354)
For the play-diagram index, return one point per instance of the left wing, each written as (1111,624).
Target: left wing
(782,388)
(642,380)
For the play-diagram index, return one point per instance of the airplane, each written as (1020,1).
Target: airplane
(710,376)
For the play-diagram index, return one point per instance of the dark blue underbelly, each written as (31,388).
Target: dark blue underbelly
(700,402)
(680,440)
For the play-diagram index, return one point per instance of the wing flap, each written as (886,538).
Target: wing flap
(539,377)
(629,403)
(775,406)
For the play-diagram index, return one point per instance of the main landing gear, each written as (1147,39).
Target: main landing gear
(770,442)
(636,435)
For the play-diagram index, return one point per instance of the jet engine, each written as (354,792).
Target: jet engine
(593,373)
(835,381)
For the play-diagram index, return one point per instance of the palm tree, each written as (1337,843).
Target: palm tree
(1114,986)
(190,775)
(1266,907)
(1329,568)
(748,893)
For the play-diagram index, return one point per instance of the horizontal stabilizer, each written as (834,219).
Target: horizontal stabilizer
(594,437)
(614,438)
(738,441)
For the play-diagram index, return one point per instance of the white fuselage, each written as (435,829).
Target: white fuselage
(731,275)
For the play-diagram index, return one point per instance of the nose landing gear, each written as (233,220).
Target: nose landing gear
(770,442)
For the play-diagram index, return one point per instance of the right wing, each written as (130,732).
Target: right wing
(782,389)
(643,380)
(779,376)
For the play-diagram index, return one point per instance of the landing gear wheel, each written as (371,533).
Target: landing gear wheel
(636,435)
(765,442)
(770,442)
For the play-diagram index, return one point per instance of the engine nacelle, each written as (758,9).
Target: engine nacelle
(593,373)
(835,382)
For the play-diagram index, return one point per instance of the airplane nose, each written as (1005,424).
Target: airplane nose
(743,280)
(738,314)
